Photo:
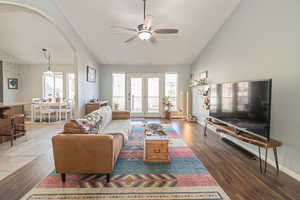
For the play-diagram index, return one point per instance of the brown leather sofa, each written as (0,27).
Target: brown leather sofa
(76,152)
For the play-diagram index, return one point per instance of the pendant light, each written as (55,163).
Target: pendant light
(47,56)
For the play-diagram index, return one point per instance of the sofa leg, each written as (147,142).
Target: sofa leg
(107,178)
(63,177)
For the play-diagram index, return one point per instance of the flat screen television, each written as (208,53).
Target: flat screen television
(246,105)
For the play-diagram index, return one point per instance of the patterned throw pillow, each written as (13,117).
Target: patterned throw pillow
(86,125)
(90,123)
(94,116)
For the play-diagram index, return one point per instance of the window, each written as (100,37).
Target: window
(71,86)
(171,88)
(53,85)
(153,95)
(119,83)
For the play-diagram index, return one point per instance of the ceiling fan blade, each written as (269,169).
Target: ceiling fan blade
(123,28)
(148,21)
(166,31)
(153,40)
(130,39)
(166,36)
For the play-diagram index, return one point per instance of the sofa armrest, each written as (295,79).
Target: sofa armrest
(83,153)
(71,127)
(116,115)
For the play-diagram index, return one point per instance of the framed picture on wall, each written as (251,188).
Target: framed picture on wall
(91,74)
(203,75)
(12,83)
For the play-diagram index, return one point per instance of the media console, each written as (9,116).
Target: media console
(248,138)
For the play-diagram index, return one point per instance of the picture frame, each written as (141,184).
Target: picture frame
(203,75)
(13,83)
(91,74)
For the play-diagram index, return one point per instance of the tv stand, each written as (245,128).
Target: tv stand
(250,139)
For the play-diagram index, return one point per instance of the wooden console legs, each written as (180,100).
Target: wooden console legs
(276,158)
(266,159)
(205,129)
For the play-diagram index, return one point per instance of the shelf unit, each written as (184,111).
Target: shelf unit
(250,139)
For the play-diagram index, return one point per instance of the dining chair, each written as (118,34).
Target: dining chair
(67,108)
(46,109)
(35,108)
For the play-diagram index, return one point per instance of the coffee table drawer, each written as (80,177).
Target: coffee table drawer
(156,148)
(157,156)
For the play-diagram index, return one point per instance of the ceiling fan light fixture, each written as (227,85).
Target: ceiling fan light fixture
(145,35)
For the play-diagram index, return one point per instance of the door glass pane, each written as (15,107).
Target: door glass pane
(136,95)
(171,88)
(153,95)
(71,86)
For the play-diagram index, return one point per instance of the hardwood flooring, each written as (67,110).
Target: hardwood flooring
(237,174)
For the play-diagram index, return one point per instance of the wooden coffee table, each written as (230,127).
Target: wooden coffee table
(156,149)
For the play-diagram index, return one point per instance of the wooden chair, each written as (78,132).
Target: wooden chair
(11,127)
(68,108)
(35,108)
(48,111)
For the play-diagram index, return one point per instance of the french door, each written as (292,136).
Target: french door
(144,94)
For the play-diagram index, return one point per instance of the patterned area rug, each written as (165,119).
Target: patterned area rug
(184,178)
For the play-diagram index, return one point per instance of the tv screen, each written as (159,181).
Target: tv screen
(246,105)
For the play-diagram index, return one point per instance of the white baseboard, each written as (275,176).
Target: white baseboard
(282,168)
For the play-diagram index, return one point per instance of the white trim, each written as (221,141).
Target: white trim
(269,161)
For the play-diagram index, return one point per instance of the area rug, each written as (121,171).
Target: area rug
(184,178)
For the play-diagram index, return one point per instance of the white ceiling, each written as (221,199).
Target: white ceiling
(24,33)
(198,21)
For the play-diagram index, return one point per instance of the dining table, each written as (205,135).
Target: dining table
(52,104)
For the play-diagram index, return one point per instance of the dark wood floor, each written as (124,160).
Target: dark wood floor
(237,174)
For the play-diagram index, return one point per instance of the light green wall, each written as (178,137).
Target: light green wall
(260,41)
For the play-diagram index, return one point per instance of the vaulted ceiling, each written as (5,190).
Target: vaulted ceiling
(24,33)
(198,21)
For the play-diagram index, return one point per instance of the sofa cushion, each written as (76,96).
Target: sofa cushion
(117,126)
(106,114)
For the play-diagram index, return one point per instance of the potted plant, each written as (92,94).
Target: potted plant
(116,106)
(57,99)
(168,106)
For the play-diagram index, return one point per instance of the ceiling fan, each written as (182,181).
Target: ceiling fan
(146,31)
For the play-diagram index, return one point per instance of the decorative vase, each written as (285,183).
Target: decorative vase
(168,115)
(116,107)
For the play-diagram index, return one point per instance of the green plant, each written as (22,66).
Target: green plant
(167,103)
